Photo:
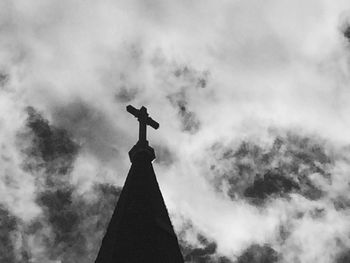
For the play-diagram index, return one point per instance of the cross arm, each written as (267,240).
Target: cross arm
(152,123)
(133,110)
(142,115)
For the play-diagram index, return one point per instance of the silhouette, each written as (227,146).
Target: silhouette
(140,230)
(144,120)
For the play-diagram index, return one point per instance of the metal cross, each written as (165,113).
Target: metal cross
(144,120)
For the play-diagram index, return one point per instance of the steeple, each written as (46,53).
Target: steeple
(140,230)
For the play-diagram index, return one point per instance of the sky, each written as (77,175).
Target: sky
(253,152)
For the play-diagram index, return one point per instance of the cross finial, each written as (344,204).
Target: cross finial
(144,120)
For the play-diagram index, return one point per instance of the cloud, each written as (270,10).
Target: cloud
(256,253)
(252,101)
(7,228)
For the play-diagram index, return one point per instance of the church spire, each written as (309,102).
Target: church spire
(140,230)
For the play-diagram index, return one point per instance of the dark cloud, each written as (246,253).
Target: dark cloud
(345,30)
(4,78)
(224,259)
(341,202)
(63,219)
(205,249)
(205,252)
(51,148)
(194,78)
(269,184)
(164,155)
(90,127)
(269,61)
(126,94)
(260,172)
(8,227)
(189,121)
(183,83)
(344,257)
(258,254)
(77,224)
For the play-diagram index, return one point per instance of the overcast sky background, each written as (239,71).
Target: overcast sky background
(213,74)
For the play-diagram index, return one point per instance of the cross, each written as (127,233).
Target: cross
(144,120)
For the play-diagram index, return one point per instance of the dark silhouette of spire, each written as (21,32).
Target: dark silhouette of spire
(140,230)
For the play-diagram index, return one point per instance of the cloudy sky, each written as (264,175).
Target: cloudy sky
(253,150)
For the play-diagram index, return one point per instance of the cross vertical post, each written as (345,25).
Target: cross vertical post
(143,125)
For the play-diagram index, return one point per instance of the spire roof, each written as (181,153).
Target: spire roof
(140,230)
